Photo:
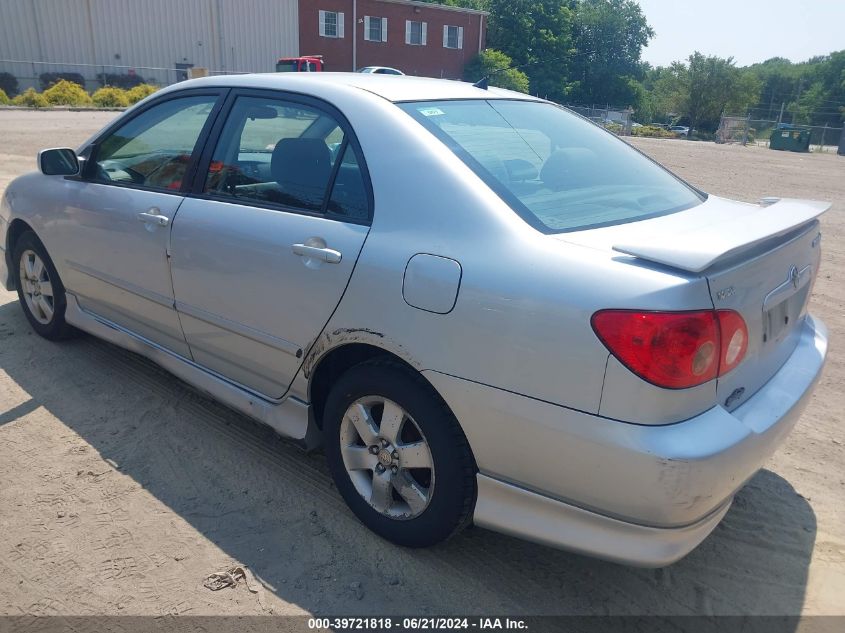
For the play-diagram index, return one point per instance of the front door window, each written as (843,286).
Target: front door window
(154,148)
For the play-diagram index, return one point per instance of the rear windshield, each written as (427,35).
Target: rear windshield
(558,171)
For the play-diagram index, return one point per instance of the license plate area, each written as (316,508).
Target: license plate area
(782,318)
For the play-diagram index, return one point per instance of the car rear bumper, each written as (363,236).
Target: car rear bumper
(519,512)
(642,495)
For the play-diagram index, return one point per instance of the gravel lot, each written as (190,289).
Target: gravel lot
(121,488)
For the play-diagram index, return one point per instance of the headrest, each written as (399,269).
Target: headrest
(565,167)
(302,167)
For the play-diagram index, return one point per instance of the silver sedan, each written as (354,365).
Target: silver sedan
(485,308)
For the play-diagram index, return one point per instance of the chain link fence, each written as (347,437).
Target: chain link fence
(745,130)
(613,118)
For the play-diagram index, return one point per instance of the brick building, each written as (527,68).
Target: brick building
(418,38)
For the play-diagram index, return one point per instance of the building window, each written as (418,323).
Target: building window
(416,33)
(453,36)
(331,24)
(375,29)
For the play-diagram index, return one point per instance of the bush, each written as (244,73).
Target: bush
(4,98)
(109,97)
(68,93)
(31,99)
(120,81)
(9,84)
(653,131)
(141,91)
(50,79)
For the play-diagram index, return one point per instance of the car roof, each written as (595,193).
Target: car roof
(391,87)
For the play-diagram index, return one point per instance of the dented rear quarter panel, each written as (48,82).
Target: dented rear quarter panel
(521,321)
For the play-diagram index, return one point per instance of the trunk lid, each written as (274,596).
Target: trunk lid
(759,260)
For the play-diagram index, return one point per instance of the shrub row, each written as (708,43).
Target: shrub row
(116,80)
(653,131)
(70,93)
(9,83)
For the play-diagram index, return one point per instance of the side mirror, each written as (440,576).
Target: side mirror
(58,162)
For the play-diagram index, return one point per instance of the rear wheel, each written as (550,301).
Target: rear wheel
(397,455)
(40,291)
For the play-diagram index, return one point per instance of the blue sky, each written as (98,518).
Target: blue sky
(748,30)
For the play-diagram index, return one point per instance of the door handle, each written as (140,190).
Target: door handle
(327,255)
(154,217)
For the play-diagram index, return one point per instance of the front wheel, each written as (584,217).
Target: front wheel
(397,455)
(40,291)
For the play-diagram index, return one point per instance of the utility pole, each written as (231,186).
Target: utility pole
(355,35)
(780,116)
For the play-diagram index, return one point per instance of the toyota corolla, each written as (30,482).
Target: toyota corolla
(485,308)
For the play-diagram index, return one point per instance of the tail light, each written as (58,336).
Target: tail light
(674,350)
(734,334)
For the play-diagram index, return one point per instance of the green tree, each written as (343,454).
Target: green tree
(497,66)
(705,88)
(537,36)
(812,92)
(609,38)
(779,80)
(811,101)
(648,105)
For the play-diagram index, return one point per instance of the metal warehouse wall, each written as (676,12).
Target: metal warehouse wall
(110,35)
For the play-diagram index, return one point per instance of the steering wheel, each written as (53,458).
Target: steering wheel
(135,176)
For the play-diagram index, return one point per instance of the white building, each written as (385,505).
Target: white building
(156,39)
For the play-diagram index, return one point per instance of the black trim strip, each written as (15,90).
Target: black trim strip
(122,284)
(239,329)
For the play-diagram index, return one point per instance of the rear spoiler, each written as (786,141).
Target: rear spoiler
(725,230)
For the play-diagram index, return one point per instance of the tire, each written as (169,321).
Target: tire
(449,484)
(45,312)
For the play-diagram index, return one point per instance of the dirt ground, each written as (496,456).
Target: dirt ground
(121,488)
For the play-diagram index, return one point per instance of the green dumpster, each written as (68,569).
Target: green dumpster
(791,139)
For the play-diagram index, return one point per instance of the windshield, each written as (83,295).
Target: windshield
(289,66)
(558,171)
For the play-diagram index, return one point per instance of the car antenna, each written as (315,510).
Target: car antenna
(482,83)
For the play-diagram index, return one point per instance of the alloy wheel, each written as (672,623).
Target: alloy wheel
(387,457)
(36,287)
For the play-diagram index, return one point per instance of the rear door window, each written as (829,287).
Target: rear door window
(280,153)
